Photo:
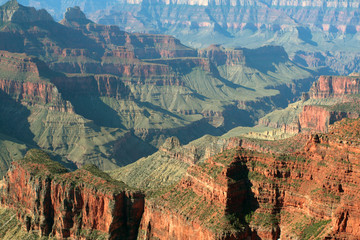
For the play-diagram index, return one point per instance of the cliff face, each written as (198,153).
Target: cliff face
(330,99)
(334,86)
(220,56)
(247,194)
(26,80)
(98,85)
(318,118)
(200,205)
(52,201)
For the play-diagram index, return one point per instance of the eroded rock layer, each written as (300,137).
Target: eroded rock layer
(50,200)
(241,193)
(330,99)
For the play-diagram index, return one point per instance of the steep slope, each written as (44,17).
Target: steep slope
(10,150)
(35,114)
(81,204)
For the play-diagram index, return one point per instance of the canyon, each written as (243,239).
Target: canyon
(110,134)
(85,91)
(239,193)
(315,34)
(281,192)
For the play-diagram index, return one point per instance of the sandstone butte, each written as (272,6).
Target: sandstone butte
(240,193)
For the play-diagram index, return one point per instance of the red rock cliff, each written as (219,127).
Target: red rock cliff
(26,79)
(286,194)
(335,86)
(200,205)
(53,201)
(317,116)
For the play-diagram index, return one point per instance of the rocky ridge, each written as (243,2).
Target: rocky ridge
(312,32)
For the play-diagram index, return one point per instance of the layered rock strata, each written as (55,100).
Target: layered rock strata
(52,201)
(330,99)
(242,194)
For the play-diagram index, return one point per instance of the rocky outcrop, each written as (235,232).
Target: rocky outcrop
(330,99)
(335,86)
(179,214)
(30,93)
(14,12)
(264,56)
(20,63)
(74,17)
(98,85)
(53,201)
(25,79)
(313,188)
(221,56)
(319,118)
(164,46)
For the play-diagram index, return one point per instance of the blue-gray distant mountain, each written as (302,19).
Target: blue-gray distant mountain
(315,33)
(57,8)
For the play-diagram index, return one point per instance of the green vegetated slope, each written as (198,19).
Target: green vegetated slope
(10,150)
(276,125)
(166,166)
(72,136)
(12,229)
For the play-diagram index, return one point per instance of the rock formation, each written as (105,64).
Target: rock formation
(242,193)
(12,11)
(335,86)
(330,99)
(51,200)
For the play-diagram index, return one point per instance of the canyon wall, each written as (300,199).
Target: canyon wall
(236,194)
(334,86)
(330,99)
(198,206)
(318,118)
(247,194)
(50,200)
